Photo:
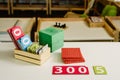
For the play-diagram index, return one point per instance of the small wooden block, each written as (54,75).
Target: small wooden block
(17,32)
(24,42)
(99,70)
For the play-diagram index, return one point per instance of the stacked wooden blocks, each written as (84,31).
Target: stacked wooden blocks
(54,37)
(72,55)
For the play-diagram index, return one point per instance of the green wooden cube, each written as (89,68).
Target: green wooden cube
(54,37)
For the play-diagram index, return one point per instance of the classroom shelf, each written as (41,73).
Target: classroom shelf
(45,5)
(29,5)
(68,5)
(5,5)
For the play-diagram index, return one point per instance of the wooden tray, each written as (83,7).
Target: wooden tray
(114,23)
(95,21)
(77,29)
(25,23)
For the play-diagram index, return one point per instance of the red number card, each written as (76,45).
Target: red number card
(17,32)
(70,70)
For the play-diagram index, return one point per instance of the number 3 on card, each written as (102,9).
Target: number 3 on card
(70,70)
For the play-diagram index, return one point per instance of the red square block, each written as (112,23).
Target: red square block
(72,55)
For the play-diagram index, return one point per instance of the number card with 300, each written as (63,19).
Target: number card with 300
(70,70)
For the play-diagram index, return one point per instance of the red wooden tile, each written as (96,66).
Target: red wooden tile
(72,55)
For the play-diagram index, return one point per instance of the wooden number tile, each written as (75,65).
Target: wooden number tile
(99,70)
(17,32)
(24,42)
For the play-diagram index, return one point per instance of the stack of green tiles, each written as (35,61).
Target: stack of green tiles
(54,37)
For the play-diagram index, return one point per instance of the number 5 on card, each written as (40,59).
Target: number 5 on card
(99,70)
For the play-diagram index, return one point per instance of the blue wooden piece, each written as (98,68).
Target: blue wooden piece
(24,42)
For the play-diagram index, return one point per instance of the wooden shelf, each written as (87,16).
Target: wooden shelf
(113,21)
(5,6)
(46,5)
(66,5)
(28,6)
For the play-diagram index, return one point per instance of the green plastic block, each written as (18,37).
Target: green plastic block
(54,37)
